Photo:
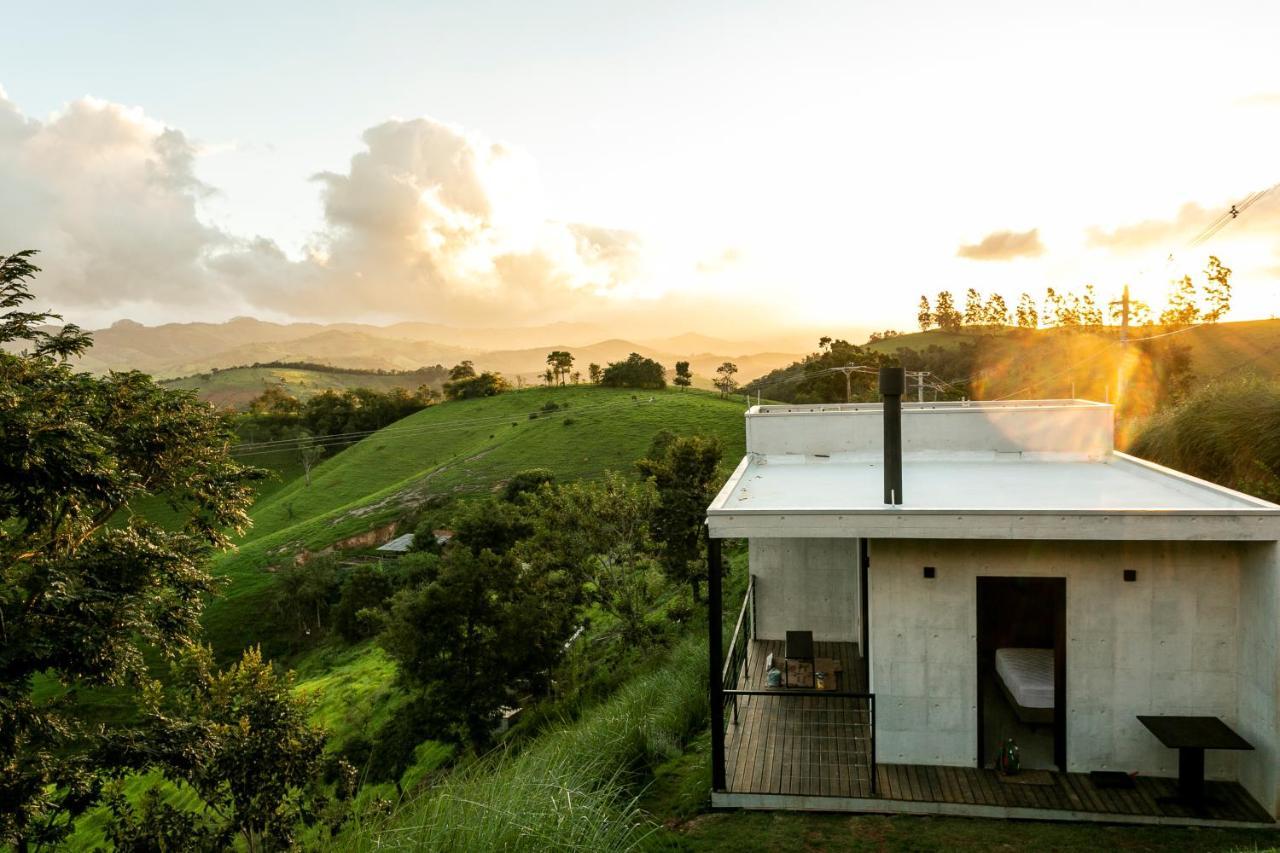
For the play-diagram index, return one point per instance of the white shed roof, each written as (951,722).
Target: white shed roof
(399,545)
(1084,492)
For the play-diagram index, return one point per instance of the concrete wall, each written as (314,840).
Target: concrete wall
(1082,429)
(807,585)
(1166,644)
(1258,667)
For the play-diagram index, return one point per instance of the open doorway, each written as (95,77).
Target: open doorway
(1022,668)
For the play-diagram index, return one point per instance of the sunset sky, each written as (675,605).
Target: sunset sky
(724,167)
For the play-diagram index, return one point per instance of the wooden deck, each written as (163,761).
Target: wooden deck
(800,749)
(799,741)
(1069,792)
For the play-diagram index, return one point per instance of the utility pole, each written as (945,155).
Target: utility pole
(848,370)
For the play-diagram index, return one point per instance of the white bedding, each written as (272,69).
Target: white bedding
(1028,673)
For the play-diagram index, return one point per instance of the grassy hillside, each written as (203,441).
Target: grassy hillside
(236,386)
(456,450)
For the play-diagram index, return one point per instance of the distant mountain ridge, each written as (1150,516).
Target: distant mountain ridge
(187,349)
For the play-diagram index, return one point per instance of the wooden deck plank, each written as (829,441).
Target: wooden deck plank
(821,746)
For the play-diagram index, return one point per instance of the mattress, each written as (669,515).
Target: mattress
(1028,675)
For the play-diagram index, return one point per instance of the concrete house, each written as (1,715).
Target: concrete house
(930,581)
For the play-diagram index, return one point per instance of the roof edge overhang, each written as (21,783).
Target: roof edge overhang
(1110,525)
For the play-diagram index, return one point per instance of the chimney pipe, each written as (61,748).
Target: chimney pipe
(893,382)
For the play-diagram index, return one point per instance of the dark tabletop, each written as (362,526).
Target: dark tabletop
(1194,732)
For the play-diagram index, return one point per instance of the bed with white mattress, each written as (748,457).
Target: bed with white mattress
(1026,676)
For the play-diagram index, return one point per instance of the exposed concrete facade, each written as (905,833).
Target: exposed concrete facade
(807,584)
(1258,670)
(1166,644)
(1024,489)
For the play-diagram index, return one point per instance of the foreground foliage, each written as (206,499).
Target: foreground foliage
(80,601)
(1227,432)
(574,788)
(241,741)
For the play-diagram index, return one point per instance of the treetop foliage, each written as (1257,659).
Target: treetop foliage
(635,372)
(1060,309)
(79,599)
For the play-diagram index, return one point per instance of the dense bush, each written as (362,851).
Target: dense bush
(573,789)
(1227,432)
(365,591)
(635,372)
(485,385)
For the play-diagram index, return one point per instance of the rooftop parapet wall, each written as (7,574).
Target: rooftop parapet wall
(1073,427)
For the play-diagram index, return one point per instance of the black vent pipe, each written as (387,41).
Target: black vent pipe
(893,382)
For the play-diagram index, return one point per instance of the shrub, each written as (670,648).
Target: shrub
(636,372)
(572,789)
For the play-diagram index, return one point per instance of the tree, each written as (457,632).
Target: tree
(1217,291)
(973,314)
(366,591)
(309,453)
(81,599)
(462,370)
(595,372)
(1181,308)
(599,532)
(1063,308)
(490,525)
(485,385)
(242,741)
(275,400)
(577,377)
(559,363)
(1090,312)
(724,378)
(303,594)
(635,372)
(945,313)
(686,472)
(924,316)
(480,630)
(526,482)
(1027,315)
(683,377)
(995,312)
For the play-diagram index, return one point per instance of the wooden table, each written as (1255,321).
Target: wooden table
(1191,736)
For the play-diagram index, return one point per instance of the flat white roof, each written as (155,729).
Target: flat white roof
(979,482)
(1024,469)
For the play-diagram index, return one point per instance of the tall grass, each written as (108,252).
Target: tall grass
(574,788)
(1227,432)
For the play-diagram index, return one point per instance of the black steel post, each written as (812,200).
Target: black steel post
(893,382)
(715,648)
(875,766)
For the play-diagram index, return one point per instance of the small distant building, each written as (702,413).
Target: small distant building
(397,546)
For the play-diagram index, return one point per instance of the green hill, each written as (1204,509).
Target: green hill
(234,387)
(455,450)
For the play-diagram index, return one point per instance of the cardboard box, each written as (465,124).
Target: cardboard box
(831,668)
(799,673)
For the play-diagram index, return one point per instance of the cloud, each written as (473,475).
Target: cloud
(1261,99)
(109,196)
(1173,233)
(428,221)
(1004,246)
(1158,233)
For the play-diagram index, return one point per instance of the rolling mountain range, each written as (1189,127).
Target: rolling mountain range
(185,349)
